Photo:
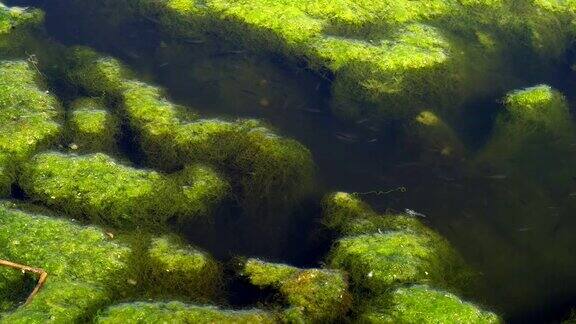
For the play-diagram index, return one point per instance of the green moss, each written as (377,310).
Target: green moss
(99,189)
(91,128)
(379,262)
(383,251)
(420,304)
(67,252)
(387,58)
(176,312)
(533,136)
(349,215)
(7,174)
(265,168)
(28,114)
(17,26)
(435,139)
(314,295)
(180,270)
(96,74)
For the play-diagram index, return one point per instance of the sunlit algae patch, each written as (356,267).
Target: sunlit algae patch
(91,127)
(313,295)
(87,271)
(265,168)
(104,191)
(396,264)
(387,59)
(28,119)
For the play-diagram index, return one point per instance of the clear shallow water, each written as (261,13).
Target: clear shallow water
(524,251)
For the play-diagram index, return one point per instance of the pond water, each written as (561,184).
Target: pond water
(524,251)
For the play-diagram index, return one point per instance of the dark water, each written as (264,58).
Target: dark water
(524,252)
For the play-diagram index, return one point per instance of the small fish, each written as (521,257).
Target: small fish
(362,121)
(350,138)
(311,110)
(374,140)
(497,177)
(413,213)
(250,92)
(524,229)
(164,64)
(194,41)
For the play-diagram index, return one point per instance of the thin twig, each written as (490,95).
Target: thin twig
(41,280)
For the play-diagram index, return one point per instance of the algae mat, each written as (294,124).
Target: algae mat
(224,123)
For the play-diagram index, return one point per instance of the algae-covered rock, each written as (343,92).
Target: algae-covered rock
(383,251)
(378,262)
(434,138)
(264,167)
(386,58)
(17,25)
(98,188)
(179,270)
(177,312)
(28,118)
(533,137)
(314,295)
(84,268)
(91,127)
(421,304)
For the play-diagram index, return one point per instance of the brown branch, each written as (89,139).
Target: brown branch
(41,280)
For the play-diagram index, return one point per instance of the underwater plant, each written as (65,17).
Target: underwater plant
(99,189)
(313,295)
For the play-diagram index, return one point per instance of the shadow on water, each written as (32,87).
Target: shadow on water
(517,236)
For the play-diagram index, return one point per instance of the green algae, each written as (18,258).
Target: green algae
(181,270)
(435,139)
(421,304)
(29,118)
(177,312)
(313,295)
(99,189)
(91,128)
(385,56)
(265,168)
(384,252)
(532,137)
(67,252)
(17,27)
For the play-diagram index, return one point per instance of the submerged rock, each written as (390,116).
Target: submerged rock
(29,118)
(383,253)
(534,137)
(99,189)
(421,304)
(266,168)
(313,295)
(387,59)
(75,288)
(91,127)
(177,312)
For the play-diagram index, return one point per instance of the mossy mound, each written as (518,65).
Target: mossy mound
(99,189)
(29,118)
(68,253)
(434,139)
(313,295)
(177,312)
(387,58)
(420,304)
(533,137)
(384,252)
(17,25)
(175,269)
(378,262)
(91,127)
(265,168)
